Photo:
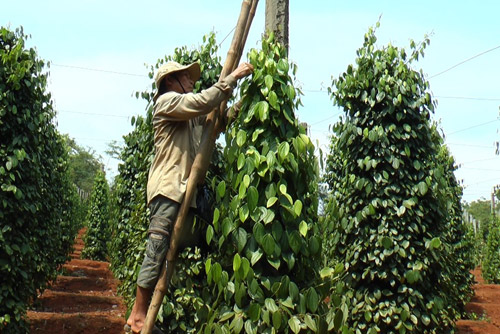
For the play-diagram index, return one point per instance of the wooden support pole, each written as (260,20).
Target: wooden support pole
(198,169)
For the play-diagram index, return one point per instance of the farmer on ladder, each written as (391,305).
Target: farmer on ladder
(178,119)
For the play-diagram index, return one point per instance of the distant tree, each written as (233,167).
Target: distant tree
(83,164)
(481,211)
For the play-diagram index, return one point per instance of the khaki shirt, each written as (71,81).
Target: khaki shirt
(178,123)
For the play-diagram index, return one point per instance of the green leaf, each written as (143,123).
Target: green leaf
(386,242)
(283,150)
(268,216)
(236,262)
(283,66)
(246,180)
(312,300)
(253,198)
(216,216)
(263,110)
(241,138)
(241,238)
(290,92)
(269,81)
(326,272)
(258,232)
(435,243)
(276,320)
(243,213)
(256,256)
(270,305)
(277,230)
(295,241)
(275,263)
(210,234)
(422,188)
(380,96)
(270,190)
(338,319)
(294,324)
(268,244)
(221,189)
(310,323)
(297,208)
(237,324)
(303,228)
(288,303)
(254,312)
(241,161)
(271,201)
(293,290)
(245,265)
(273,100)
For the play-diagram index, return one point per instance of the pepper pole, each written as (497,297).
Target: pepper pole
(211,129)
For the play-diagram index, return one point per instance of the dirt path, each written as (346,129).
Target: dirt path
(82,301)
(486,305)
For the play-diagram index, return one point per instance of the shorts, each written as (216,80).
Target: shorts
(163,216)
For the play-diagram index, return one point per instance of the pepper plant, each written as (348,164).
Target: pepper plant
(458,247)
(264,270)
(389,211)
(98,234)
(37,199)
(491,259)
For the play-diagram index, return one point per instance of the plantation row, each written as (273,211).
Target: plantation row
(388,253)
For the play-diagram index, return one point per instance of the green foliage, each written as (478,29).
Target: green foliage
(491,262)
(459,245)
(131,218)
(392,203)
(481,211)
(263,270)
(36,197)
(83,165)
(98,233)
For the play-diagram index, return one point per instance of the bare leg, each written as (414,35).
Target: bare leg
(138,315)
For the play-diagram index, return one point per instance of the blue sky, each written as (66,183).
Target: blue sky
(98,51)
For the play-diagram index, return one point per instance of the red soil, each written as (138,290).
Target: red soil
(84,301)
(486,305)
(81,301)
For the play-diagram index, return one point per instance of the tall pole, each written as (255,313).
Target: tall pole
(277,19)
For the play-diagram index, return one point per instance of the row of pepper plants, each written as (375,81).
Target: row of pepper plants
(38,202)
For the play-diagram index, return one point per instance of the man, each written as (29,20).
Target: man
(178,118)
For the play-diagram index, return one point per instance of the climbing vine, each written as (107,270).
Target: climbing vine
(37,200)
(98,234)
(389,209)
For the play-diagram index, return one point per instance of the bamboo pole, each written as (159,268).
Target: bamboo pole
(198,169)
(238,53)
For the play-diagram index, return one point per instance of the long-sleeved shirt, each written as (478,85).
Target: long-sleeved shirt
(178,123)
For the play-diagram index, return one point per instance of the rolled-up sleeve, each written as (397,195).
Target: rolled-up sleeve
(181,107)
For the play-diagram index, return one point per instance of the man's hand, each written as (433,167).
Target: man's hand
(243,70)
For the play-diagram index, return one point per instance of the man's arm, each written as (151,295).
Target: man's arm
(183,107)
